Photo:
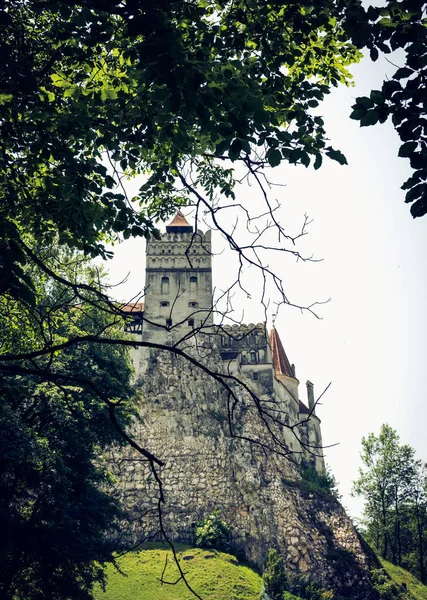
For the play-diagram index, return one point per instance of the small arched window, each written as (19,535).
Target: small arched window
(193,284)
(191,322)
(165,285)
(193,304)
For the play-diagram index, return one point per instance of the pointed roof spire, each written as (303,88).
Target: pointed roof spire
(179,224)
(281,364)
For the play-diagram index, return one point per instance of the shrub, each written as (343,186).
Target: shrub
(320,481)
(274,576)
(213,532)
(387,589)
(314,592)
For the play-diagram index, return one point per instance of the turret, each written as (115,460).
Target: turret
(178,285)
(284,372)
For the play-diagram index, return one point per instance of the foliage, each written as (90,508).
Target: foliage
(274,576)
(393,484)
(54,420)
(151,88)
(323,481)
(289,596)
(397,25)
(92,93)
(315,592)
(404,579)
(386,587)
(213,532)
(215,576)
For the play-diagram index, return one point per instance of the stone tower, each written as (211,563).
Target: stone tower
(178,283)
(239,448)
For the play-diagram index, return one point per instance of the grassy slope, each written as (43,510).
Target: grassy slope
(213,575)
(417,590)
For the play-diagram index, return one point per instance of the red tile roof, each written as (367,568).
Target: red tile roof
(281,363)
(136,307)
(179,221)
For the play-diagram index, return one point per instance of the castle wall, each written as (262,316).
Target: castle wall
(184,421)
(239,449)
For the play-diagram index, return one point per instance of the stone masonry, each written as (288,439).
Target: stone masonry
(236,448)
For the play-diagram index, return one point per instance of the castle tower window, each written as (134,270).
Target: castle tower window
(165,285)
(191,322)
(164,303)
(193,284)
(193,304)
(255,375)
(253,356)
(168,322)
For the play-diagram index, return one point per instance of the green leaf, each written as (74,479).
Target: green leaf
(222,147)
(371,118)
(419,208)
(358,114)
(72,91)
(274,157)
(235,149)
(377,97)
(305,159)
(336,155)
(318,161)
(59,81)
(108,94)
(295,156)
(403,73)
(386,22)
(363,102)
(407,149)
(415,192)
(5,98)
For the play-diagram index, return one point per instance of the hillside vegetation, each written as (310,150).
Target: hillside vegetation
(417,591)
(213,575)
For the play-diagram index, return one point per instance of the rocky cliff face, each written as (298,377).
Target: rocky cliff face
(185,420)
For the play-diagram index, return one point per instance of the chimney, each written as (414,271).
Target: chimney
(310,395)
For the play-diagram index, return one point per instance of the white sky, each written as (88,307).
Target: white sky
(371,341)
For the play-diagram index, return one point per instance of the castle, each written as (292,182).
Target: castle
(178,301)
(219,405)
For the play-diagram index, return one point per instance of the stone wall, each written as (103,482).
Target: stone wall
(250,476)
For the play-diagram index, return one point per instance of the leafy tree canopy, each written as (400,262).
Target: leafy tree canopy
(55,418)
(394,486)
(93,91)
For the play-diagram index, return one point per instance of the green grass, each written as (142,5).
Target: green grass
(416,589)
(213,575)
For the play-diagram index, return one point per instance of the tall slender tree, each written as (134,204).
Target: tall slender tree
(392,483)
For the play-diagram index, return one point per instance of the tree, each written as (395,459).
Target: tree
(398,25)
(93,92)
(55,507)
(393,486)
(96,91)
(274,576)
